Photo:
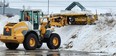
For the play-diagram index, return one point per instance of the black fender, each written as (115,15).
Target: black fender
(47,34)
(36,32)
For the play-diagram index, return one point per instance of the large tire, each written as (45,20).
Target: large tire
(30,42)
(54,45)
(72,20)
(12,46)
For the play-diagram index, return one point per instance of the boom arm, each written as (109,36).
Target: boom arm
(74,4)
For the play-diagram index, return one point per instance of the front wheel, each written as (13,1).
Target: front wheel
(30,42)
(54,41)
(12,46)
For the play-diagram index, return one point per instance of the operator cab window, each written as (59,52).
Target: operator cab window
(36,19)
(26,16)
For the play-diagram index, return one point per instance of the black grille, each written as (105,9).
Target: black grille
(7,33)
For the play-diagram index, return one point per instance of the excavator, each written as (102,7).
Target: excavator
(31,31)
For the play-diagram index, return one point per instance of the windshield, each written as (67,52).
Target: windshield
(26,15)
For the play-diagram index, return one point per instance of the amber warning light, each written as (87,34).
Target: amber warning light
(7,29)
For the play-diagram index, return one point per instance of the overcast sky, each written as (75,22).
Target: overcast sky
(57,5)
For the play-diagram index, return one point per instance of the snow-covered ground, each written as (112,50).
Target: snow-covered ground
(91,38)
(94,38)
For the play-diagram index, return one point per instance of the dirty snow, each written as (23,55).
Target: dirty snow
(91,38)
(95,38)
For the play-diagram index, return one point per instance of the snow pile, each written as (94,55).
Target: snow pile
(4,20)
(92,38)
(100,37)
(14,19)
(75,12)
(66,32)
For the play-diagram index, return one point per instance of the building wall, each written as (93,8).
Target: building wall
(12,11)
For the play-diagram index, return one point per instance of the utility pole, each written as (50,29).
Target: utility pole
(48,7)
(4,7)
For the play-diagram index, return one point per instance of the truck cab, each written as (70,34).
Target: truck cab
(32,16)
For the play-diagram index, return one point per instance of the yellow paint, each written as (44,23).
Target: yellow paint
(55,41)
(16,32)
(43,29)
(61,22)
(32,42)
(79,18)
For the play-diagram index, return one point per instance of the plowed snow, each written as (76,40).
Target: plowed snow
(100,37)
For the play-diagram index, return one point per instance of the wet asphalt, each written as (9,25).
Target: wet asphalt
(47,52)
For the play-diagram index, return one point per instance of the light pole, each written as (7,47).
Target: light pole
(48,7)
(4,7)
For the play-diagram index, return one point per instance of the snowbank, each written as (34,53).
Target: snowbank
(4,20)
(67,32)
(100,37)
(92,38)
(87,12)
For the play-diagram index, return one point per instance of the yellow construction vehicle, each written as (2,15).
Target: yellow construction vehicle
(75,18)
(63,19)
(80,18)
(56,20)
(30,32)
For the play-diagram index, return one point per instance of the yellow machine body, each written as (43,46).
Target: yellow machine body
(78,18)
(13,32)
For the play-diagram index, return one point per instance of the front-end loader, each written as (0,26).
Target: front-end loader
(30,32)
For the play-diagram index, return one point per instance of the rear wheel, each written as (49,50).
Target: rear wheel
(12,46)
(30,42)
(54,41)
